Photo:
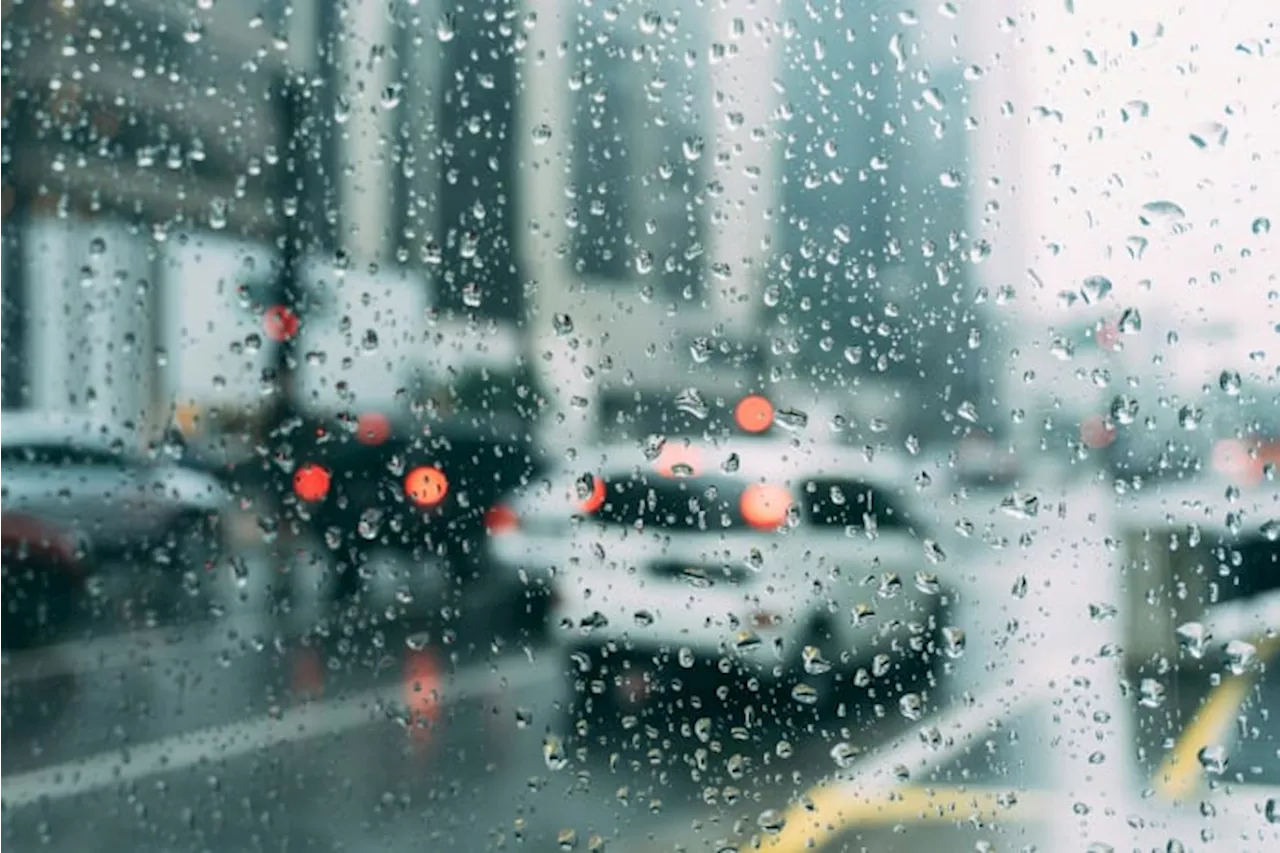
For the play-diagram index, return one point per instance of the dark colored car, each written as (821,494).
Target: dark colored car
(412,483)
(45,565)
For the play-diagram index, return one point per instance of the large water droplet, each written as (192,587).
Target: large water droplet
(1213,758)
(805,694)
(553,753)
(1193,638)
(1095,288)
(844,755)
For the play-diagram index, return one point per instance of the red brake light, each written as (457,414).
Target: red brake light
(1096,432)
(280,323)
(754,413)
(311,482)
(426,485)
(501,519)
(595,499)
(373,428)
(764,506)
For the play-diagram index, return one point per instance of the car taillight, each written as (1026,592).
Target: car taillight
(754,413)
(501,519)
(590,490)
(311,482)
(426,485)
(373,428)
(1097,432)
(764,506)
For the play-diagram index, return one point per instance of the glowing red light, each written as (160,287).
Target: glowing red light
(280,323)
(764,506)
(754,413)
(426,485)
(1096,432)
(311,482)
(595,500)
(373,428)
(501,519)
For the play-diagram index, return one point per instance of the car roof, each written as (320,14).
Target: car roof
(757,459)
(63,428)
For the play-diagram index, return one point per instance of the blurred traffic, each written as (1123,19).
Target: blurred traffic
(639,426)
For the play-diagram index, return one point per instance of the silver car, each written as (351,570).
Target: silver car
(761,562)
(89,476)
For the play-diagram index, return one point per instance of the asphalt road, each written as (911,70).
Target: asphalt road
(266,727)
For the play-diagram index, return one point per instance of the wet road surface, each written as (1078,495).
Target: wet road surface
(288,728)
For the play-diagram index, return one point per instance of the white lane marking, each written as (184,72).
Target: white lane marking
(116,651)
(957,728)
(220,743)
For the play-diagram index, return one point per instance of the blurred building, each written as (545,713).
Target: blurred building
(129,130)
(707,180)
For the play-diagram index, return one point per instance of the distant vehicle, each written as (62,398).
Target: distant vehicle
(1185,437)
(88,475)
(418,482)
(697,563)
(44,565)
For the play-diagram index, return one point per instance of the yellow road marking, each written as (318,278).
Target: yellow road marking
(829,811)
(1179,775)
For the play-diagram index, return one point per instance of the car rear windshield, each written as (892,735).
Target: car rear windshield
(668,503)
(716,504)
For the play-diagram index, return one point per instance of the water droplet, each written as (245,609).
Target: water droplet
(1260,226)
(792,419)
(693,147)
(1230,383)
(844,755)
(1240,656)
(700,350)
(391,95)
(1193,638)
(652,446)
(968,411)
(1095,288)
(928,583)
(1189,417)
(542,134)
(524,718)
(686,658)
(771,821)
(1154,212)
(643,618)
(731,464)
(805,694)
(814,662)
(369,341)
(553,753)
(1130,322)
(1271,811)
(562,323)
(649,22)
(644,262)
(911,706)
(1020,505)
(690,401)
(446,28)
(1213,759)
(747,641)
(370,523)
(1151,693)
(1124,409)
(418,641)
(1271,530)
(1019,589)
(772,295)
(933,552)
(954,641)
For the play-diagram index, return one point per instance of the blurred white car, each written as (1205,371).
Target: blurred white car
(673,565)
(90,477)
